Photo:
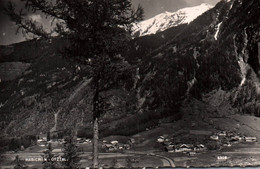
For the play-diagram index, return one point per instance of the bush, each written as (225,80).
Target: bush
(85,133)
(213,145)
(14,144)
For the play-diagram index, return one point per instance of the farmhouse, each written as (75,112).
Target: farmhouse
(169,149)
(237,138)
(191,153)
(222,133)
(227,144)
(250,139)
(200,147)
(183,148)
(132,141)
(214,137)
(160,140)
(126,146)
(114,142)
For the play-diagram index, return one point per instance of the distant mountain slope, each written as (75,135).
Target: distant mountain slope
(167,20)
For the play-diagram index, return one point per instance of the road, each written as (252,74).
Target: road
(167,162)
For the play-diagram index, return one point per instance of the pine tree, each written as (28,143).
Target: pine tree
(97,31)
(49,161)
(19,163)
(71,154)
(48,136)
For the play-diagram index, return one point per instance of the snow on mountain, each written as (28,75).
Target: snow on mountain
(166,20)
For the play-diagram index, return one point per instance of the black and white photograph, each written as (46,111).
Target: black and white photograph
(129,84)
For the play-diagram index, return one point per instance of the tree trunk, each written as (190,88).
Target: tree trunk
(95,125)
(95,143)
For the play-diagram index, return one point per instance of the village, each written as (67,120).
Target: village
(188,142)
(154,147)
(221,138)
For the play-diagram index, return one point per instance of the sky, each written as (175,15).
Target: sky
(151,8)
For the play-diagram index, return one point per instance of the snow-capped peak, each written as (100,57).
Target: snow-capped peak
(166,20)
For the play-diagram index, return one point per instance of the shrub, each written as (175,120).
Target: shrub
(213,145)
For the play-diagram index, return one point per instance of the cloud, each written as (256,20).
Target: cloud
(36,17)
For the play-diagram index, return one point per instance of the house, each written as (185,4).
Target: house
(132,141)
(114,142)
(191,153)
(81,141)
(120,145)
(42,145)
(108,145)
(171,145)
(186,146)
(193,124)
(250,139)
(39,140)
(227,144)
(162,137)
(189,145)
(111,149)
(89,141)
(169,149)
(167,142)
(160,140)
(222,133)
(61,141)
(200,147)
(214,137)
(78,139)
(183,148)
(235,139)
(126,146)
(231,134)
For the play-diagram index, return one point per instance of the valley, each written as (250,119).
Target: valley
(188,94)
(147,151)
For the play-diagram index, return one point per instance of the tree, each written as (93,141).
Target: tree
(48,136)
(49,159)
(18,163)
(71,154)
(96,30)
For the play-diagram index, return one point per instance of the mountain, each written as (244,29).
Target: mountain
(214,58)
(167,20)
(155,7)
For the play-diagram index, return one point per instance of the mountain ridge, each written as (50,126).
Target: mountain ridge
(167,20)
